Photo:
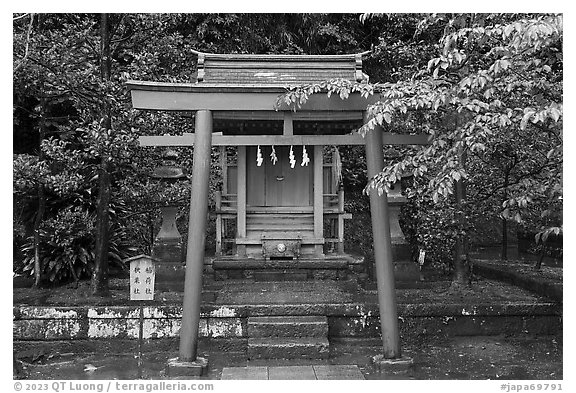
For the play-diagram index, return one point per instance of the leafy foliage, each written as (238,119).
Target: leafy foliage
(487,88)
(61,99)
(491,99)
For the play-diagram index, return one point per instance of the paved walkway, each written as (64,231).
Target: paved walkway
(462,357)
(293,372)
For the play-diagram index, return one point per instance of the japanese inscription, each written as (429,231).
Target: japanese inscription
(142,275)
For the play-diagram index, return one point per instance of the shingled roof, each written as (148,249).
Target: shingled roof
(282,70)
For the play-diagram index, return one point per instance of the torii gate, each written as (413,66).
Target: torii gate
(214,95)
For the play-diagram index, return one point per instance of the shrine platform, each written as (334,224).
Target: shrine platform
(351,312)
(334,267)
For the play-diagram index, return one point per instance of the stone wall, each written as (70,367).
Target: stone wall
(346,320)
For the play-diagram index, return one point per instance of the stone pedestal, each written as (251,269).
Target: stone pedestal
(168,249)
(383,364)
(178,368)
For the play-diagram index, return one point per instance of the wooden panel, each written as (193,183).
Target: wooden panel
(297,186)
(273,188)
(288,124)
(263,186)
(254,178)
(327,180)
(232,179)
(283,225)
(280,209)
(281,140)
(296,218)
(296,116)
(283,185)
(305,240)
(224,168)
(280,226)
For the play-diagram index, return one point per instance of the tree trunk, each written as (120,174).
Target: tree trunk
(37,223)
(504,253)
(41,206)
(151,233)
(100,274)
(538,263)
(461,267)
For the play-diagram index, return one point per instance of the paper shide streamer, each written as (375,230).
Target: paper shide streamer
(292,158)
(305,158)
(273,156)
(259,158)
(337,173)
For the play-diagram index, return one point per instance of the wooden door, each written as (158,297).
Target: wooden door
(279,185)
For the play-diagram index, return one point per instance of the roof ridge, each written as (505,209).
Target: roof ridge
(242,56)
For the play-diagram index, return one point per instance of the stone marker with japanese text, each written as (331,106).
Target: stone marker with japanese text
(142,276)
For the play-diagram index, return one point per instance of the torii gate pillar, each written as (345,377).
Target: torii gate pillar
(382,249)
(196,237)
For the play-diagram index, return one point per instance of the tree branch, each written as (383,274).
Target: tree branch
(26,51)
(14,19)
(518,179)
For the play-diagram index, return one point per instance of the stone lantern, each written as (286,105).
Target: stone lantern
(168,247)
(404,268)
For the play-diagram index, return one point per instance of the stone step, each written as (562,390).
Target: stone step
(280,227)
(278,216)
(288,348)
(288,326)
(275,218)
(300,263)
(279,275)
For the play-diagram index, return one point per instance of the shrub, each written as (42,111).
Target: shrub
(67,247)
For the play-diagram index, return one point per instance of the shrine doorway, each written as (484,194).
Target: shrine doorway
(279,198)
(278,184)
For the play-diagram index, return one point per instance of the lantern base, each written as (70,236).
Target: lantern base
(404,268)
(170,268)
(168,250)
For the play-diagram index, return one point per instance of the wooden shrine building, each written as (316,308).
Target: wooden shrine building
(281,198)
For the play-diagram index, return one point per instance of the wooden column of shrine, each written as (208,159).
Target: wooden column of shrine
(241,200)
(318,198)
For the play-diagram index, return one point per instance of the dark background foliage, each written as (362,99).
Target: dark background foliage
(59,138)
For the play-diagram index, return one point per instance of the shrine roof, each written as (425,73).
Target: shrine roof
(276,70)
(242,82)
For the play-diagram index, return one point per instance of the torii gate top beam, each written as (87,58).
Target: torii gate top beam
(226,97)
